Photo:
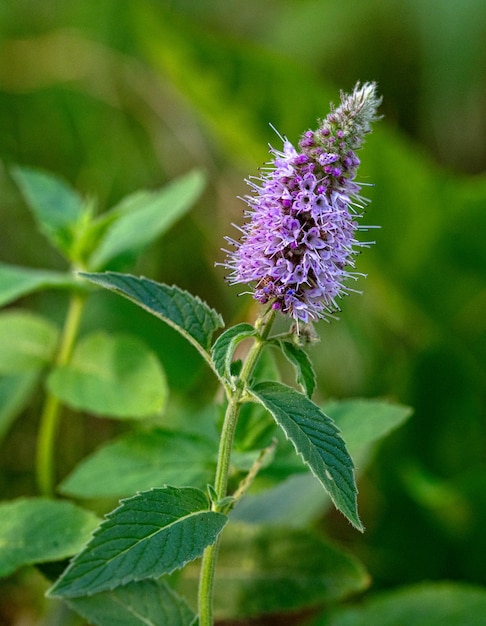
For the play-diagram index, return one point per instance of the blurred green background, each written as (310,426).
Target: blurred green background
(117,95)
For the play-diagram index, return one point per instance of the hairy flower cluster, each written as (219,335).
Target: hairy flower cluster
(298,245)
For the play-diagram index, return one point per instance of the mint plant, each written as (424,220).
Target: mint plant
(297,254)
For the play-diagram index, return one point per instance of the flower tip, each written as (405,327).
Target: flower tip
(300,235)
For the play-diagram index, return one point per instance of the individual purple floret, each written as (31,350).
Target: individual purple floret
(298,245)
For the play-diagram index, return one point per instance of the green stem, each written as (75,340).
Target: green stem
(51,411)
(208,565)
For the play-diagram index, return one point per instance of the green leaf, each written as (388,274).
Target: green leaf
(15,392)
(144,603)
(299,499)
(141,461)
(306,376)
(27,341)
(317,439)
(56,206)
(265,570)
(428,604)
(16,282)
(111,375)
(144,216)
(151,534)
(225,344)
(38,530)
(186,313)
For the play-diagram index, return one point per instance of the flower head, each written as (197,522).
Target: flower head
(298,244)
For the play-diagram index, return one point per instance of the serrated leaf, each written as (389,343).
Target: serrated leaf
(16,281)
(38,530)
(144,216)
(225,344)
(427,604)
(316,438)
(15,392)
(188,314)
(298,500)
(265,570)
(151,534)
(111,375)
(27,341)
(144,603)
(306,376)
(56,206)
(141,461)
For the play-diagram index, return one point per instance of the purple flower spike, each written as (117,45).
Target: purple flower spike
(299,242)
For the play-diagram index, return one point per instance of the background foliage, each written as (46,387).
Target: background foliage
(122,94)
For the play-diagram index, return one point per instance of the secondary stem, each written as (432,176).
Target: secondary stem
(208,566)
(49,420)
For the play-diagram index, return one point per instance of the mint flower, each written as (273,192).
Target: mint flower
(297,249)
